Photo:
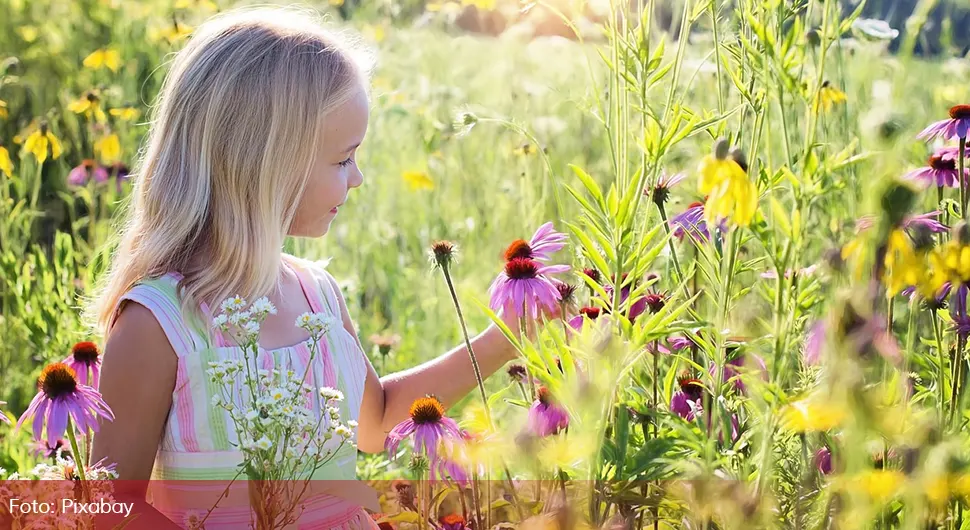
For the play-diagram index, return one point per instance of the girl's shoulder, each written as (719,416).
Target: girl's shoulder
(316,270)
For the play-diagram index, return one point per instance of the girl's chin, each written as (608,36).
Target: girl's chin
(312,232)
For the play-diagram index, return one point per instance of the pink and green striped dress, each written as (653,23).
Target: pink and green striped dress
(199,440)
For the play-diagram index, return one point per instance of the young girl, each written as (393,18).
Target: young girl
(254,139)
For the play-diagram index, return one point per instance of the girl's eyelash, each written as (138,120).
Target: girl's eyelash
(345,162)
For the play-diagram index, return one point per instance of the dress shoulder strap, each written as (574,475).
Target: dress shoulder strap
(160,296)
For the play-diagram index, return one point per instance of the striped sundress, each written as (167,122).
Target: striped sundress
(199,440)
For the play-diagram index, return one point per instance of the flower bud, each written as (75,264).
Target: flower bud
(721,148)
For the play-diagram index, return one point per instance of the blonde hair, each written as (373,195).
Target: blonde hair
(232,139)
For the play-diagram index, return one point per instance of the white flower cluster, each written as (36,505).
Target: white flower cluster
(50,483)
(316,324)
(242,322)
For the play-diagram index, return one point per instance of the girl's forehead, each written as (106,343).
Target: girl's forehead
(346,125)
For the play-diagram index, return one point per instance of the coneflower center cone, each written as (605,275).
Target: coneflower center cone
(85,352)
(522,269)
(518,249)
(690,386)
(937,162)
(426,410)
(57,380)
(592,312)
(958,112)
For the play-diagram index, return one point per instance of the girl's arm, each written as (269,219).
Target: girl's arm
(137,380)
(449,377)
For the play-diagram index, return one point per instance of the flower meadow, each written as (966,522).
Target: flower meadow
(736,244)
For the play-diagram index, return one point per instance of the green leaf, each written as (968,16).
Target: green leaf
(591,186)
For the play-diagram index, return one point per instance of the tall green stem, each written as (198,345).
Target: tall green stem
(942,371)
(468,346)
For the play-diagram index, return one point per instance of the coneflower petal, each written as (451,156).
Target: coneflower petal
(57,415)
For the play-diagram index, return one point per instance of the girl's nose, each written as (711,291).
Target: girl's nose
(356,179)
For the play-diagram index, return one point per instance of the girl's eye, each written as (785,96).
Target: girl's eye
(345,163)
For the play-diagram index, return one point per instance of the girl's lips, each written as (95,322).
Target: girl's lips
(334,209)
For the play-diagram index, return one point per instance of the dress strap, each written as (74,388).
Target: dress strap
(312,289)
(160,296)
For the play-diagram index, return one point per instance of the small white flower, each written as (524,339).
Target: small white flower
(231,305)
(343,432)
(216,400)
(352,424)
(331,394)
(304,320)
(252,415)
(221,321)
(240,319)
(264,443)
(251,328)
(263,307)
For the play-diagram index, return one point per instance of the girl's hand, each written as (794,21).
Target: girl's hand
(532,326)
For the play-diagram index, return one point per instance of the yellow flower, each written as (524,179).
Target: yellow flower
(418,180)
(525,149)
(125,113)
(375,32)
(828,96)
(188,4)
(560,452)
(956,261)
(172,33)
(88,104)
(730,194)
(880,485)
(6,165)
(105,57)
(809,415)
(37,142)
(28,33)
(109,147)
(3,109)
(904,267)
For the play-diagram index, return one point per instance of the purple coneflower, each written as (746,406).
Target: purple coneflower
(545,241)
(926,221)
(941,170)
(823,460)
(546,417)
(85,171)
(453,522)
(688,402)
(523,287)
(430,428)
(61,399)
(691,222)
(958,311)
(814,342)
(85,358)
(591,313)
(955,127)
(661,190)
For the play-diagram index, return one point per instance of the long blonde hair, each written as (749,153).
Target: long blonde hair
(232,139)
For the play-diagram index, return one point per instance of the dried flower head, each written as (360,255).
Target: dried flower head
(443,253)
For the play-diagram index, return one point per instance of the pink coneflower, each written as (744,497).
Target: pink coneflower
(60,399)
(941,170)
(591,313)
(925,220)
(544,243)
(546,417)
(430,428)
(523,287)
(823,460)
(88,169)
(955,127)
(661,190)
(689,400)
(814,342)
(453,522)
(85,358)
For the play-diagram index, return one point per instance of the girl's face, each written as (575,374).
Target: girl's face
(334,171)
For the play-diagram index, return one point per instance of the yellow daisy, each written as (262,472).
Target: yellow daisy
(88,104)
(731,195)
(37,142)
(6,165)
(418,180)
(125,113)
(109,147)
(828,97)
(808,415)
(103,58)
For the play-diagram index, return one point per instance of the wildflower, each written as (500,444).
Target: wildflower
(82,174)
(880,485)
(874,29)
(823,460)
(37,142)
(331,394)
(262,307)
(687,402)
(590,313)
(85,358)
(654,301)
(661,190)
(592,274)
(828,97)
(3,110)
(567,293)
(233,304)
(60,400)
(812,415)
(429,426)
(125,113)
(517,372)
(544,242)
(264,443)
(453,522)
(904,265)
(464,122)
(404,493)
(941,170)
(104,57)
(730,194)
(814,342)
(523,286)
(958,311)
(385,342)
(418,180)
(6,165)
(546,417)
(691,222)
(955,127)
(109,147)
(443,253)
(88,104)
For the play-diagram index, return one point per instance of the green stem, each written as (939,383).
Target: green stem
(468,345)
(942,370)
(79,460)
(717,57)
